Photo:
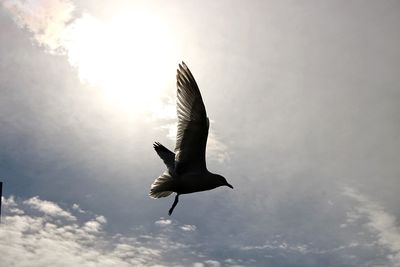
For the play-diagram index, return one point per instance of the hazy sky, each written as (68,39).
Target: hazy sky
(303,98)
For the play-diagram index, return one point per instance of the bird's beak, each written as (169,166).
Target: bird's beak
(228,185)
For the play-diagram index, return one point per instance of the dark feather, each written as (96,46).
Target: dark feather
(193,124)
(166,155)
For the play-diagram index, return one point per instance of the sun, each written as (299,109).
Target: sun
(130,57)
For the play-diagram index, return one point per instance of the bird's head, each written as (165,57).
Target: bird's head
(222,181)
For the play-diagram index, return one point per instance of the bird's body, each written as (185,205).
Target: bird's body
(186,168)
(195,182)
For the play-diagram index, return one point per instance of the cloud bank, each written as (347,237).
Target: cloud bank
(40,233)
(36,232)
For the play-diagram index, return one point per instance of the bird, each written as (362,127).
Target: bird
(186,168)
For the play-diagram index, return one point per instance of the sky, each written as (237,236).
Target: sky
(303,102)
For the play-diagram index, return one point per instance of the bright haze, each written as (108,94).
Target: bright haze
(303,100)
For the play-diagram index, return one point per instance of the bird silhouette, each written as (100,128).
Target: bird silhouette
(186,168)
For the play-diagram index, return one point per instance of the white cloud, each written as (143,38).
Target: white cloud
(283,246)
(188,227)
(77,208)
(101,219)
(48,208)
(30,239)
(46,19)
(379,222)
(12,205)
(216,148)
(92,226)
(163,222)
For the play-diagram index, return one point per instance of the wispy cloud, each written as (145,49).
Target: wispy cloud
(188,227)
(163,222)
(45,19)
(378,221)
(217,148)
(48,208)
(369,235)
(77,208)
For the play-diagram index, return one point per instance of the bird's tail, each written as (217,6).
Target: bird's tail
(162,186)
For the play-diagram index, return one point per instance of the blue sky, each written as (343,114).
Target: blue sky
(303,101)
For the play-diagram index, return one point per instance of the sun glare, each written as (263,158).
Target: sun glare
(130,57)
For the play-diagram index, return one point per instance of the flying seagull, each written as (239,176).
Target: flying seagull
(186,168)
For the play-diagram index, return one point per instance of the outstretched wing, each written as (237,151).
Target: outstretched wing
(193,124)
